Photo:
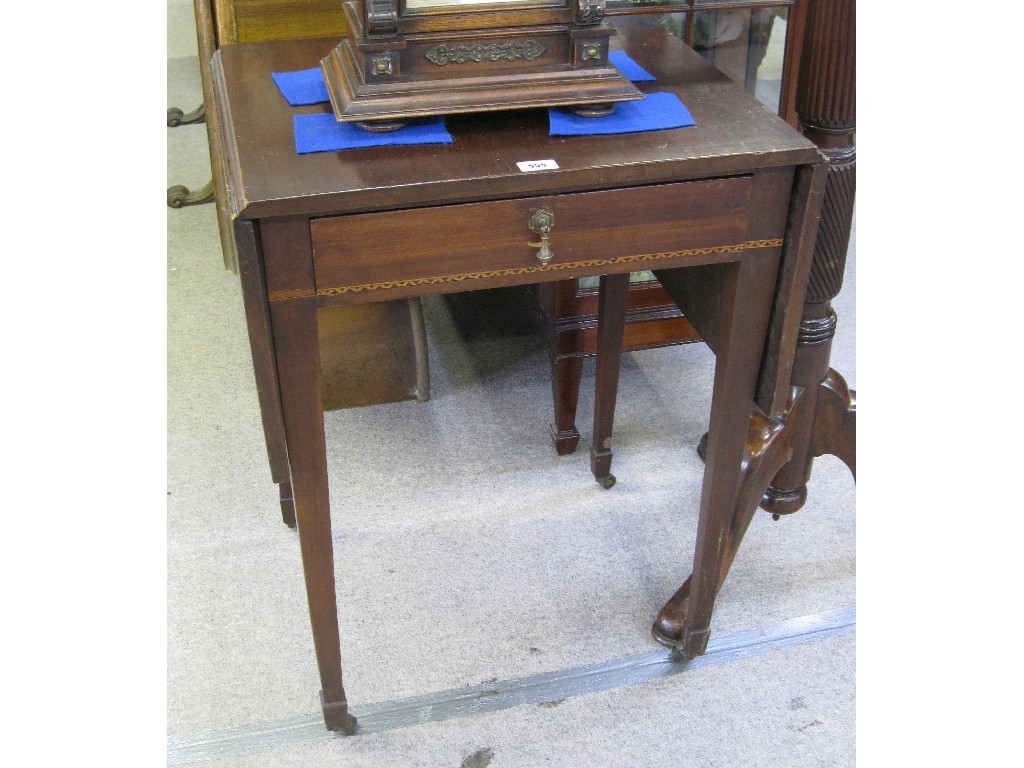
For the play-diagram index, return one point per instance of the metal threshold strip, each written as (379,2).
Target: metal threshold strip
(544,688)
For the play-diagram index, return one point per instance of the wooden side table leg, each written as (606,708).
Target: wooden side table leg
(611,322)
(565,346)
(419,337)
(769,446)
(261,343)
(287,501)
(566,373)
(298,366)
(747,296)
(701,293)
(826,108)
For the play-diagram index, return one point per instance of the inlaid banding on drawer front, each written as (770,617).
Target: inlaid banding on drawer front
(297,293)
(593,263)
(498,243)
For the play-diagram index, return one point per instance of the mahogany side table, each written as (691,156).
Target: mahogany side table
(733,193)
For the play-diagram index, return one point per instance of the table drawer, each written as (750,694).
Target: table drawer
(483,245)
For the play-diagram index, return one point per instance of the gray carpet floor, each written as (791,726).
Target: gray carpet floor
(467,552)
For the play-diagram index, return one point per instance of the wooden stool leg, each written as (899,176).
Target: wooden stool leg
(566,373)
(611,321)
(565,346)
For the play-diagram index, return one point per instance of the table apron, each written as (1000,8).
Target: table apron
(372,257)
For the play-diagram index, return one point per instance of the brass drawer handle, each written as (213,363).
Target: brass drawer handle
(541,222)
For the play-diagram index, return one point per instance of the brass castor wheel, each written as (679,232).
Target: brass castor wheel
(606,482)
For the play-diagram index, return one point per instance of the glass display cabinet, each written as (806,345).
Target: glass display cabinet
(755,43)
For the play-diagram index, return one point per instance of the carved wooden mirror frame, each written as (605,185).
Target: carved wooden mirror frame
(405,59)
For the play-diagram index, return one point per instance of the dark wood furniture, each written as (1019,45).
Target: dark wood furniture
(228,22)
(826,100)
(371,354)
(732,200)
(819,415)
(566,310)
(405,59)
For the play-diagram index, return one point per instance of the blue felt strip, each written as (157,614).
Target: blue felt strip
(657,112)
(302,88)
(633,71)
(322,133)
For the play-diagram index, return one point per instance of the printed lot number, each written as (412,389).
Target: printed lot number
(537,165)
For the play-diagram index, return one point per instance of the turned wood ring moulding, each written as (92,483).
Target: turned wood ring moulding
(404,59)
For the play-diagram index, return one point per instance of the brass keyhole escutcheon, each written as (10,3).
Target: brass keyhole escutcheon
(542,222)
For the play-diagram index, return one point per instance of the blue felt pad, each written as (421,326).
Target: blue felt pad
(658,112)
(633,71)
(302,88)
(322,133)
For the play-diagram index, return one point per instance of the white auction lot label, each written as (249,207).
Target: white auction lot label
(537,165)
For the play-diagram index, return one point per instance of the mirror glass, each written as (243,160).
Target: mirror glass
(746,40)
(748,45)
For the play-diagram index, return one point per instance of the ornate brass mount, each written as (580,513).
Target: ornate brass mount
(590,11)
(542,222)
(460,54)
